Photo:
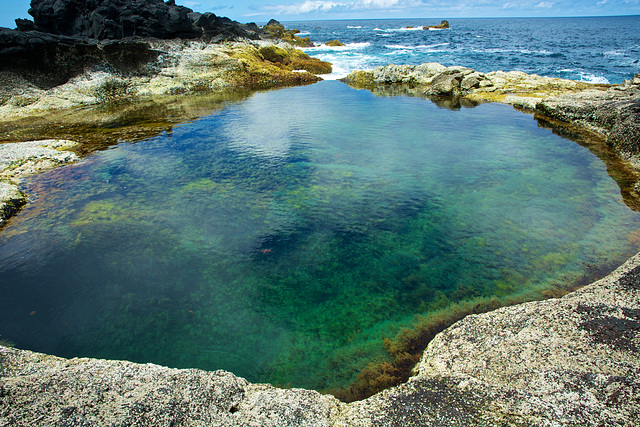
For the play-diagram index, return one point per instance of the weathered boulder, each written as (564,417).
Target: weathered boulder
(11,200)
(438,79)
(445,84)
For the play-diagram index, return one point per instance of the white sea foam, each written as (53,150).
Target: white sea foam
(395,30)
(592,78)
(348,46)
(344,62)
(354,26)
(398,46)
(431,46)
(428,47)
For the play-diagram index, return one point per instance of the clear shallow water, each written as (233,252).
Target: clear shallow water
(285,236)
(596,50)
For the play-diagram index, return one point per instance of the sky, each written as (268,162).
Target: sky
(260,11)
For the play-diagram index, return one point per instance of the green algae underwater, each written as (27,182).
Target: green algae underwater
(310,237)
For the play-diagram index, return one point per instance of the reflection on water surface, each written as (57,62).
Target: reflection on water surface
(284,235)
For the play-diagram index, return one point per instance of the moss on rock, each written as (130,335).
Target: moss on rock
(334,43)
(360,79)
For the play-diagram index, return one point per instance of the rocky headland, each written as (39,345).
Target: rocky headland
(561,362)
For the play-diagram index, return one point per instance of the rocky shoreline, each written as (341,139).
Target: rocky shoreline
(560,362)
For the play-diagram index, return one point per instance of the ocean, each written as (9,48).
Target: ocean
(595,50)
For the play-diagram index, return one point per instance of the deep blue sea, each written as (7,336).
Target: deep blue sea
(594,49)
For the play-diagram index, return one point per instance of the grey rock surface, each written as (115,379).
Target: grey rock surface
(614,113)
(571,361)
(25,158)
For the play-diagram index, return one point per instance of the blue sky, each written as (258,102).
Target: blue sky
(297,10)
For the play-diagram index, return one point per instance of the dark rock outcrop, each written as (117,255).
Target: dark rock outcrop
(112,19)
(47,60)
(117,19)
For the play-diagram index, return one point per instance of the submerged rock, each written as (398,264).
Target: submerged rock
(561,362)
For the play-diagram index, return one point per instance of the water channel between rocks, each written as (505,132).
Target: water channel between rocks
(285,235)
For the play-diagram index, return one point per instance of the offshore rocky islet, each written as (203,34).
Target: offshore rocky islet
(530,394)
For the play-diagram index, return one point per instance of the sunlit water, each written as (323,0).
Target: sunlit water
(285,236)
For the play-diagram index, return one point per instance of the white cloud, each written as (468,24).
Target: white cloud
(545,5)
(310,6)
(306,7)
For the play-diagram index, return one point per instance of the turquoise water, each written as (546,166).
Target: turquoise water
(285,236)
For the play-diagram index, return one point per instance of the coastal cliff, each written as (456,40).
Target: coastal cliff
(560,362)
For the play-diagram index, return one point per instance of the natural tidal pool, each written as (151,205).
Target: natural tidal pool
(286,235)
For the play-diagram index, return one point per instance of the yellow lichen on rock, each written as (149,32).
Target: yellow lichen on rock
(334,43)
